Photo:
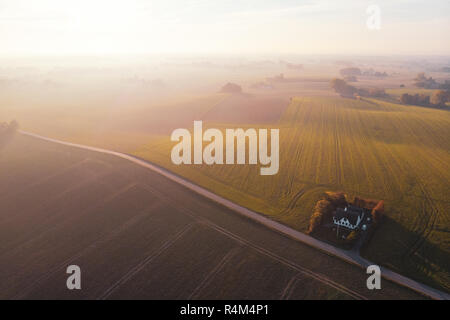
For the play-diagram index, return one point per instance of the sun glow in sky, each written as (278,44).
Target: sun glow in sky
(225,26)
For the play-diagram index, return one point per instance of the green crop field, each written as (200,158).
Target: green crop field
(370,148)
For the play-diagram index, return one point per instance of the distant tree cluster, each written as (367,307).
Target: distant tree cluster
(438,99)
(373,73)
(422,81)
(346,90)
(342,87)
(415,99)
(372,92)
(351,71)
(231,88)
(445,85)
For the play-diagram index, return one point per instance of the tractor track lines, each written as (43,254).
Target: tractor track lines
(56,197)
(210,276)
(290,287)
(429,225)
(47,178)
(136,269)
(293,202)
(290,264)
(101,203)
(94,245)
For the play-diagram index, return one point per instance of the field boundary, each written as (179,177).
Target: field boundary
(349,257)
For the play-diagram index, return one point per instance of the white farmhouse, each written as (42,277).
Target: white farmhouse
(350,217)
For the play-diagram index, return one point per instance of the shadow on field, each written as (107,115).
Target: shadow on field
(409,253)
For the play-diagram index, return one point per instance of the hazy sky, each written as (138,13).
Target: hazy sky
(225,26)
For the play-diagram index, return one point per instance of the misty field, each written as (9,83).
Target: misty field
(368,148)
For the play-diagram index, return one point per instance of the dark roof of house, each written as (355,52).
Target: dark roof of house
(354,209)
(351,214)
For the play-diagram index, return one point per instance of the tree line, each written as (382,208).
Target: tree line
(346,90)
(439,98)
